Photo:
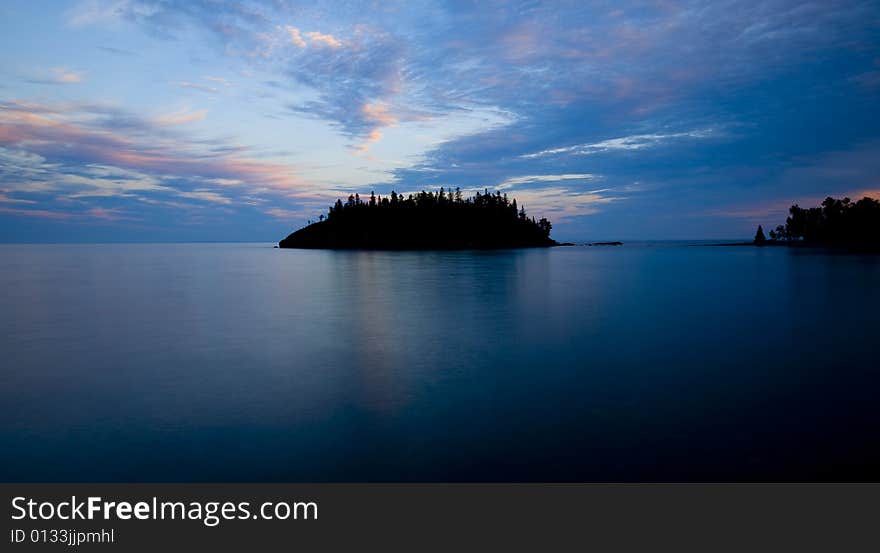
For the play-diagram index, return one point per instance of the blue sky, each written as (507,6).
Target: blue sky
(129,120)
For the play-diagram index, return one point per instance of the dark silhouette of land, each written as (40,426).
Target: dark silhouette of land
(425,220)
(760,239)
(835,223)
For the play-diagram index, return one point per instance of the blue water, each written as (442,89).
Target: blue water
(239,362)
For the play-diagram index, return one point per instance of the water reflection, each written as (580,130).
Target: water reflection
(239,362)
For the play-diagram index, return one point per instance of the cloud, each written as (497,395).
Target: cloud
(41,213)
(197,86)
(104,181)
(181,117)
(295,36)
(633,142)
(321,39)
(100,12)
(443,58)
(583,88)
(65,76)
(530,179)
(107,214)
(371,138)
(117,51)
(303,39)
(90,214)
(59,75)
(286,214)
(358,88)
(561,203)
(206,195)
(380,116)
(202,87)
(4,199)
(348,75)
(218,80)
(75,152)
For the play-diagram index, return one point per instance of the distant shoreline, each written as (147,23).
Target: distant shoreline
(796,245)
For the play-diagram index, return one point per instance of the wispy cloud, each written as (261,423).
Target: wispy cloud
(181,117)
(302,39)
(380,116)
(4,199)
(206,195)
(198,86)
(40,213)
(58,75)
(211,87)
(107,214)
(562,203)
(531,179)
(632,142)
(286,214)
(117,51)
(87,215)
(323,39)
(551,92)
(295,36)
(74,152)
(219,80)
(101,12)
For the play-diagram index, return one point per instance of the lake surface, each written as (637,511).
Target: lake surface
(239,362)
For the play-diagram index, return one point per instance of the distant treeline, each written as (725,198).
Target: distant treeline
(426,220)
(834,223)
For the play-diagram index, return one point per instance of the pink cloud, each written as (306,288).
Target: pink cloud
(295,36)
(279,213)
(105,214)
(49,133)
(65,76)
(181,117)
(58,75)
(321,39)
(380,115)
(41,213)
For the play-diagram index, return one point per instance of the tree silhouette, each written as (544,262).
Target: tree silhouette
(833,223)
(426,220)
(760,239)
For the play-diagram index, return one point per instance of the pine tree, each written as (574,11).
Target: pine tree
(759,237)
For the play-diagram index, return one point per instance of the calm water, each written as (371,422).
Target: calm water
(242,362)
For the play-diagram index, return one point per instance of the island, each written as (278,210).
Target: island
(424,221)
(835,223)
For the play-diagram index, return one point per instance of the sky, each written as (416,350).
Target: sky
(200,120)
